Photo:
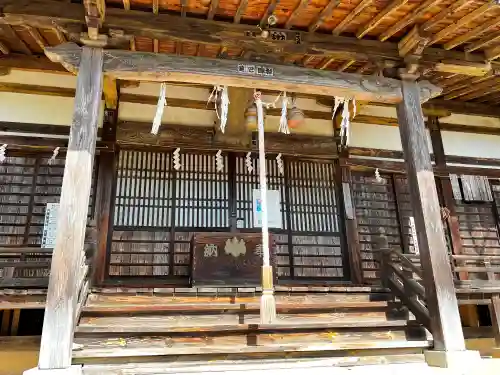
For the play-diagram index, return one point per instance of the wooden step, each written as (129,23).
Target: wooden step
(264,364)
(92,347)
(138,304)
(161,324)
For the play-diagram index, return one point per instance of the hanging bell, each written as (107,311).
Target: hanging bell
(295,115)
(251,116)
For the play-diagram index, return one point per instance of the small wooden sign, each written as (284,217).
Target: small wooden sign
(256,70)
(349,209)
(50,226)
(228,259)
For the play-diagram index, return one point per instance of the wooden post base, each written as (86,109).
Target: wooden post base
(463,360)
(72,370)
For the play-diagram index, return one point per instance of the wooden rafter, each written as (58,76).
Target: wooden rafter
(394,5)
(337,30)
(4,49)
(487,40)
(270,9)
(241,9)
(445,13)
(126,4)
(346,65)
(325,13)
(461,22)
(492,53)
(326,63)
(472,34)
(409,19)
(184,5)
(474,85)
(459,83)
(142,66)
(307,59)
(480,93)
(300,7)
(214,5)
(156,6)
(61,38)
(36,37)
(15,41)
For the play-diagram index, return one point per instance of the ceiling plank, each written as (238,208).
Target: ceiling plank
(445,13)
(409,19)
(324,14)
(142,66)
(240,11)
(487,40)
(459,23)
(472,34)
(300,7)
(270,9)
(214,5)
(374,22)
(337,30)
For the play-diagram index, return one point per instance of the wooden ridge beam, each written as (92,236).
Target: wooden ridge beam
(374,22)
(461,22)
(472,34)
(138,66)
(410,18)
(325,13)
(351,16)
(50,14)
(300,7)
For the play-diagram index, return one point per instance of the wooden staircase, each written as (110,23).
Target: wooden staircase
(207,325)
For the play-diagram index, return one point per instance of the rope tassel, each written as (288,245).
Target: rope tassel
(160,107)
(283,119)
(267,301)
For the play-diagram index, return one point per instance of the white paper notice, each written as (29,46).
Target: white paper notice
(50,226)
(273,209)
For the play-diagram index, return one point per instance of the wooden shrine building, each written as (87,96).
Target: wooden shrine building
(144,247)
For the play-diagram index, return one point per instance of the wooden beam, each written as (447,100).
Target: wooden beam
(49,14)
(445,13)
(487,40)
(110,90)
(325,13)
(495,318)
(464,68)
(373,23)
(137,66)
(184,6)
(461,22)
(300,7)
(270,10)
(472,34)
(409,19)
(464,108)
(337,30)
(59,320)
(31,63)
(439,288)
(242,7)
(214,5)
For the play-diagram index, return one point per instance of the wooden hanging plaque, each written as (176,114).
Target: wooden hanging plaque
(228,259)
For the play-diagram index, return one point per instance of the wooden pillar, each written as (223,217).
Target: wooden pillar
(59,321)
(440,291)
(351,227)
(104,198)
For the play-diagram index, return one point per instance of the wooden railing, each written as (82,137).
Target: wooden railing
(478,283)
(401,273)
(24,267)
